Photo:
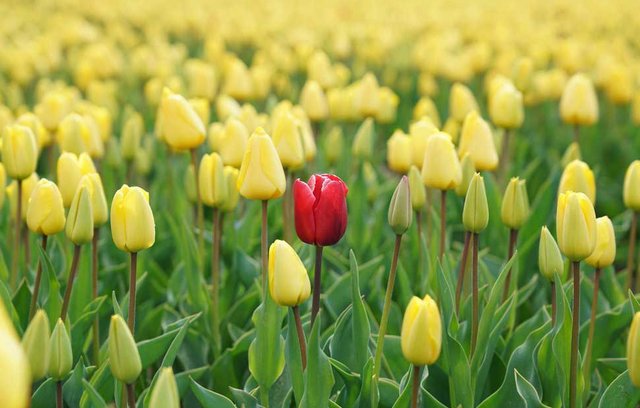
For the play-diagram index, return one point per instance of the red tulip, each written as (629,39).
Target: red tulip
(320,209)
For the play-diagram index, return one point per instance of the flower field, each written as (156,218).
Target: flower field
(319,204)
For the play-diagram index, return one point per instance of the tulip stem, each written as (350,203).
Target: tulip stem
(505,156)
(553,304)
(286,209)
(59,403)
(131,396)
(27,245)
(264,250)
(416,386)
(420,254)
(133,271)
(72,276)
(474,280)
(513,240)
(576,134)
(94,287)
(443,222)
(16,244)
(194,161)
(592,327)
(463,269)
(36,283)
(215,281)
(317,285)
(632,249)
(384,320)
(573,376)
(303,346)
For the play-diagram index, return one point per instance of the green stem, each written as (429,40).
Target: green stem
(463,269)
(264,250)
(553,304)
(131,395)
(215,281)
(16,244)
(59,401)
(513,239)
(573,375)
(416,386)
(72,276)
(592,327)
(443,222)
(94,287)
(301,340)
(632,250)
(420,254)
(36,284)
(475,303)
(576,134)
(133,271)
(194,161)
(317,285)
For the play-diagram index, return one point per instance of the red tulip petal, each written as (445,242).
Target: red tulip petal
(304,201)
(330,213)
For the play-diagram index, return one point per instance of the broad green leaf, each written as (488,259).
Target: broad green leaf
(361,331)
(210,399)
(528,392)
(318,375)
(621,393)
(294,359)
(96,399)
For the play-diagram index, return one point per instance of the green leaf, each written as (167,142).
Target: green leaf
(294,359)
(319,375)
(620,393)
(72,388)
(210,399)
(81,327)
(54,300)
(528,392)
(44,395)
(96,400)
(361,331)
(244,399)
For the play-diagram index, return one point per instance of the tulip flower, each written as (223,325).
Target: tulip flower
(52,108)
(426,108)
(202,108)
(287,140)
(572,153)
(320,218)
(73,134)
(15,377)
(124,358)
(633,350)
(579,103)
(461,102)
(261,174)
(165,391)
(35,343)
(420,337)
(60,357)
(468,170)
(419,132)
(387,106)
(70,169)
(314,101)
(41,134)
(505,107)
(333,146)
(578,177)
(631,197)
(132,132)
(477,140)
(514,212)
(307,133)
(366,99)
(232,142)
(550,263)
(399,152)
(133,230)
(362,147)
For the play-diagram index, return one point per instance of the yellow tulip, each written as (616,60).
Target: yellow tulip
(73,134)
(452,128)
(132,131)
(461,102)
(619,85)
(475,213)
(399,152)
(70,169)
(201,79)
(314,101)
(605,250)
(421,333)
(334,145)
(261,174)
(549,257)
(418,193)
(179,124)
(165,391)
(202,108)
(231,142)
(45,210)
(227,107)
(387,105)
(232,196)
(419,132)
(211,180)
(308,139)
(505,107)
(367,97)
(99,207)
(19,151)
(132,225)
(441,168)
(41,134)
(35,343)
(124,358)
(52,109)
(477,140)
(238,82)
(79,226)
(28,185)
(60,352)
(631,191)
(633,350)
(362,147)
(578,177)
(468,170)
(427,108)
(15,377)
(287,140)
(576,225)
(579,102)
(288,279)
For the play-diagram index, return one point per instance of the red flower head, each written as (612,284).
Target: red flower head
(320,209)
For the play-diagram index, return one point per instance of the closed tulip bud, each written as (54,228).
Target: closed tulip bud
(19,151)
(576,225)
(232,142)
(605,250)
(366,98)
(202,108)
(60,354)
(631,191)
(35,343)
(477,140)
(124,358)
(261,174)
(427,108)
(549,257)
(79,226)
(572,153)
(15,378)
(132,132)
(421,333)
(370,181)
(165,391)
(211,180)
(468,170)
(314,101)
(515,204)
(362,147)
(73,134)
(441,168)
(475,214)
(399,152)
(633,350)
(620,84)
(94,143)
(52,109)
(387,106)
(579,102)
(41,134)
(578,177)
(45,210)
(452,128)
(288,279)
(419,132)
(190,184)
(522,72)
(201,79)
(232,196)
(28,185)
(238,82)
(179,124)
(400,211)
(70,169)
(334,145)
(461,102)
(306,131)
(418,193)
(99,207)
(132,225)
(227,107)
(505,107)
(287,140)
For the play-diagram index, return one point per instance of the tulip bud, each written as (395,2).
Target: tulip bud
(60,354)
(468,170)
(572,153)
(202,108)
(367,96)
(35,343)
(99,207)
(633,350)
(579,102)
(287,140)
(370,181)
(505,107)
(576,225)
(124,358)
(45,211)
(549,257)
(165,391)
(631,191)
(418,193)
(421,333)
(477,140)
(73,134)
(334,144)
(515,204)
(261,174)
(201,79)
(420,132)
(387,106)
(232,141)
(41,134)
(15,379)
(79,226)
(461,102)
(238,82)
(475,214)
(190,184)
(578,177)
(70,169)
(28,185)
(288,280)
(400,211)
(605,249)
(314,101)
(132,225)
(362,147)
(211,180)
(441,168)
(231,197)
(452,128)
(179,124)
(52,109)
(427,108)
(399,152)
(308,140)
(132,131)
(19,151)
